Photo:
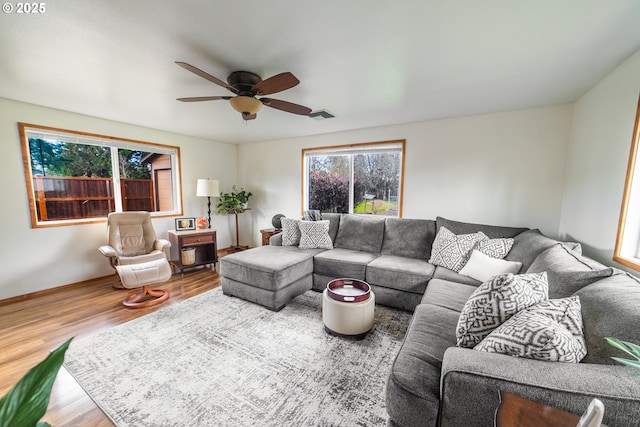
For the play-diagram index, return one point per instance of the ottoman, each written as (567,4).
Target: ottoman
(267,275)
(348,307)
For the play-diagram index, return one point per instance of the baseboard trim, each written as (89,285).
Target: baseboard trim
(54,290)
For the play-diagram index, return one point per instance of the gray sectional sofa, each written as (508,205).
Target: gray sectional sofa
(433,382)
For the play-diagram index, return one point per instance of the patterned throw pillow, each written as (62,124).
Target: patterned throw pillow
(495,248)
(550,330)
(452,251)
(290,232)
(315,235)
(497,300)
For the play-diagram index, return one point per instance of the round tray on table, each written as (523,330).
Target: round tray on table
(348,290)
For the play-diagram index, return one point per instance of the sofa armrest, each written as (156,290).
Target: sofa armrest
(107,251)
(161,244)
(471,381)
(276,240)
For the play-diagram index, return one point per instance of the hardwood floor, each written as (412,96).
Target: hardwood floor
(30,328)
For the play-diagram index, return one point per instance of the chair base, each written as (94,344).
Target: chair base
(136,300)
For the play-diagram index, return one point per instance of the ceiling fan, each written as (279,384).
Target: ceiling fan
(247,86)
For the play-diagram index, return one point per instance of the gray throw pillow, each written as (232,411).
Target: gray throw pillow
(315,235)
(495,301)
(550,331)
(567,271)
(290,232)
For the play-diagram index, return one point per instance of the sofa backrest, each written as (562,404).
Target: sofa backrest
(360,232)
(610,308)
(410,238)
(492,231)
(334,224)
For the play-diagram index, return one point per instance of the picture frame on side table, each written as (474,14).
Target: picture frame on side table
(184,224)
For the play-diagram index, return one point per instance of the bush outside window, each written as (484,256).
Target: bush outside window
(75,177)
(359,179)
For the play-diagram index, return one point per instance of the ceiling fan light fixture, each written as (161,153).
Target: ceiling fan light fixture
(245,104)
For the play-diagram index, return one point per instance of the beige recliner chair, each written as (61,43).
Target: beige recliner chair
(137,256)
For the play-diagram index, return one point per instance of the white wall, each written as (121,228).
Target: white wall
(41,258)
(598,153)
(505,168)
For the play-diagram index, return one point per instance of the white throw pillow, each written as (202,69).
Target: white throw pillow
(495,301)
(290,231)
(483,267)
(452,251)
(315,235)
(550,331)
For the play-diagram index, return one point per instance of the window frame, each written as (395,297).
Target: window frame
(621,252)
(345,149)
(104,140)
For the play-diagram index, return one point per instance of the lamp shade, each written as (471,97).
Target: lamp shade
(245,104)
(208,188)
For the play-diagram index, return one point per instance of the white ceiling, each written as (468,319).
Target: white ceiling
(369,62)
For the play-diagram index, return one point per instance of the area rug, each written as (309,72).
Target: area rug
(220,361)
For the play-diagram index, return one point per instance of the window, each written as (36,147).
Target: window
(627,249)
(360,178)
(75,177)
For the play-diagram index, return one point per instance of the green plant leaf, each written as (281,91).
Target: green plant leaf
(27,401)
(627,362)
(628,347)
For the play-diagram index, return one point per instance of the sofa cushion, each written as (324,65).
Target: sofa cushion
(340,262)
(482,267)
(315,235)
(444,273)
(610,308)
(527,246)
(290,231)
(446,294)
(495,301)
(405,274)
(413,387)
(493,231)
(452,251)
(411,238)
(334,223)
(268,267)
(360,233)
(567,272)
(550,331)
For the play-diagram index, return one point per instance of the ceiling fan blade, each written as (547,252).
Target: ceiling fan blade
(203,98)
(247,116)
(289,107)
(277,83)
(206,75)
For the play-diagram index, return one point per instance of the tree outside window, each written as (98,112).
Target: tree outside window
(360,179)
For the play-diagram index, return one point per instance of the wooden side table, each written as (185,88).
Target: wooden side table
(267,233)
(516,411)
(203,241)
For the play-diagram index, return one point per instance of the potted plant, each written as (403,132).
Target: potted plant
(234,202)
(27,401)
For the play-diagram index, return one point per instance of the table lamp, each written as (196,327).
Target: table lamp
(208,188)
